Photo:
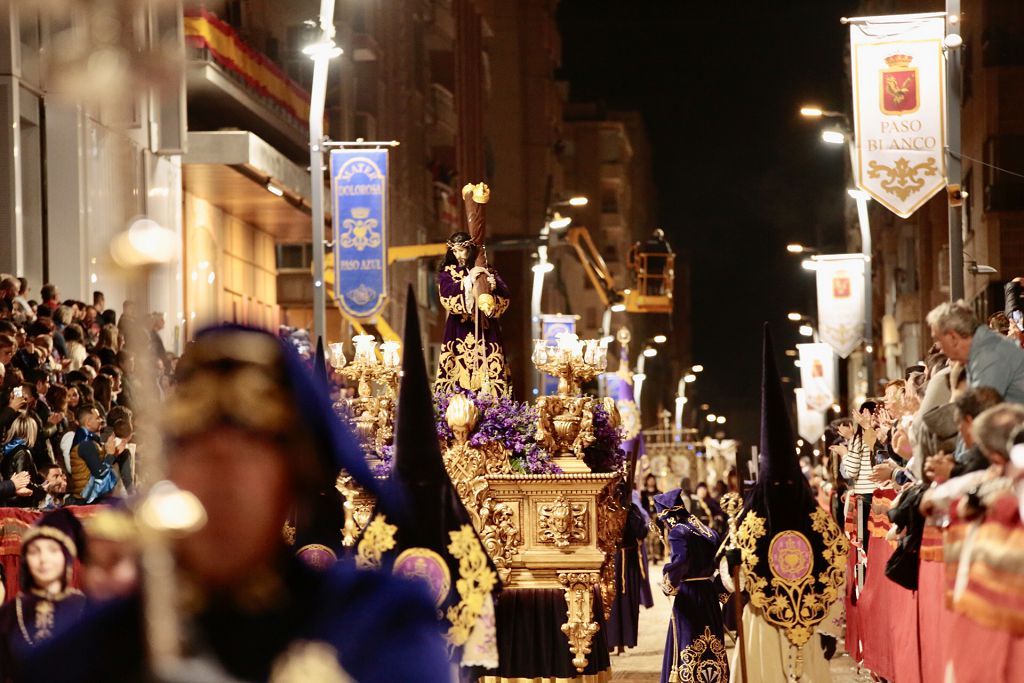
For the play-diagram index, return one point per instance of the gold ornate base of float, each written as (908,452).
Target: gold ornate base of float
(568,526)
(543,531)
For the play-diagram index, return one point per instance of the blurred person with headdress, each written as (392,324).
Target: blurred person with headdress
(110,562)
(793,555)
(472,353)
(695,645)
(433,539)
(253,437)
(47,604)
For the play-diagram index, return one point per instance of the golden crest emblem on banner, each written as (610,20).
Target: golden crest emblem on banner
(899,81)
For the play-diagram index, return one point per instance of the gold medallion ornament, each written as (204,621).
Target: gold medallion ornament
(426,566)
(378,538)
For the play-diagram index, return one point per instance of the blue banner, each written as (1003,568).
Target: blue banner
(359,193)
(551,326)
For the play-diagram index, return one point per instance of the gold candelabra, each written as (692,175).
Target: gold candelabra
(370,413)
(566,421)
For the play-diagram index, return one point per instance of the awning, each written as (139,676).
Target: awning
(252,181)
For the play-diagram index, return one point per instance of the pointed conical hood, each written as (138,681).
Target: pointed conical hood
(778,463)
(434,515)
(417,451)
(780,508)
(320,362)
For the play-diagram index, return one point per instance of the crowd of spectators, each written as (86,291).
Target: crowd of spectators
(68,387)
(943,436)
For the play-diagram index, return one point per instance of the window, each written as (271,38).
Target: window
(294,256)
(609,200)
(1003,191)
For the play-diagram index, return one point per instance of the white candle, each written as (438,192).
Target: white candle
(338,359)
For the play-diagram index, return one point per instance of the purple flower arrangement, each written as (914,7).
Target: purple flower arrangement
(385,461)
(510,423)
(605,454)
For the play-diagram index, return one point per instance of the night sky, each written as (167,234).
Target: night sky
(738,173)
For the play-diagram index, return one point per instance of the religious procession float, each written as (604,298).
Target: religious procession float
(542,485)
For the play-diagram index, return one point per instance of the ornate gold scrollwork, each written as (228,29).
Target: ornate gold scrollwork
(378,538)
(471,364)
(902,177)
(565,427)
(474,585)
(611,518)
(562,522)
(579,627)
(695,665)
(799,600)
(500,535)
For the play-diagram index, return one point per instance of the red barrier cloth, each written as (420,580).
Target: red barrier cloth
(875,608)
(902,607)
(13,524)
(935,621)
(978,654)
(853,629)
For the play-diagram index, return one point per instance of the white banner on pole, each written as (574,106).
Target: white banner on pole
(817,375)
(899,109)
(810,424)
(841,302)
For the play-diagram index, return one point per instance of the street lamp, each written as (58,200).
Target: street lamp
(543,267)
(698,368)
(650,352)
(578,201)
(833,136)
(689,378)
(559,221)
(720,419)
(812,111)
(712,417)
(660,339)
(800,249)
(806,331)
(795,317)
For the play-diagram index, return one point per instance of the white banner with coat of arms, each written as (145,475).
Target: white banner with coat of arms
(841,302)
(810,424)
(817,375)
(899,102)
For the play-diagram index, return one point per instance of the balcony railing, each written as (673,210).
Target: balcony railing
(210,39)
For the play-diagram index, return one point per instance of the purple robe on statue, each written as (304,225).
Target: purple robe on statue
(472,354)
(695,645)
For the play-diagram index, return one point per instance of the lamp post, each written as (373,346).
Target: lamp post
(321,52)
(841,133)
(689,376)
(552,221)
